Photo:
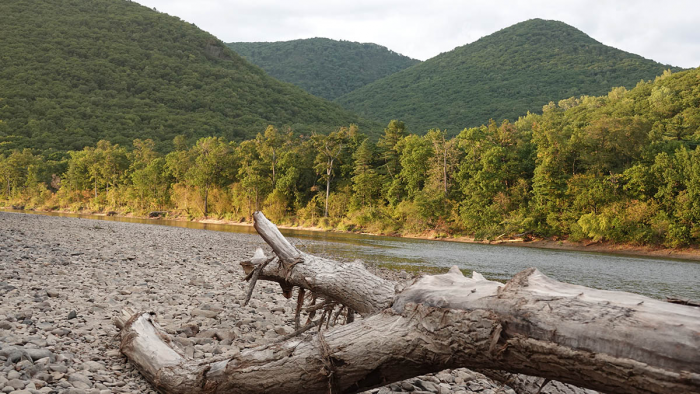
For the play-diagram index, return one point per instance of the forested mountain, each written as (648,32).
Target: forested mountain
(75,72)
(501,76)
(324,67)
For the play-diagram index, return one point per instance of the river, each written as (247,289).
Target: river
(652,276)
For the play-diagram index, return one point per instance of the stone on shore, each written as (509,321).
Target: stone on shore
(63,279)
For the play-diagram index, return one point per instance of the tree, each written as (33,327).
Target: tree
(82,171)
(270,145)
(5,175)
(329,149)
(494,176)
(212,166)
(415,156)
(254,174)
(143,153)
(152,183)
(297,176)
(388,147)
(113,163)
(366,180)
(16,169)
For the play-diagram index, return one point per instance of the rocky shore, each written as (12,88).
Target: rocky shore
(63,279)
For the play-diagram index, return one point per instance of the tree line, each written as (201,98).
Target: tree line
(623,167)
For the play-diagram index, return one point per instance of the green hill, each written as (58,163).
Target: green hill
(74,72)
(503,75)
(324,67)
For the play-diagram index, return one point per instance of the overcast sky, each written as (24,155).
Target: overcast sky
(666,31)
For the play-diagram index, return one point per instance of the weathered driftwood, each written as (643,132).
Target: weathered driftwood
(350,284)
(609,341)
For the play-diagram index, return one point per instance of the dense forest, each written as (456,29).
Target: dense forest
(623,167)
(324,67)
(75,72)
(501,76)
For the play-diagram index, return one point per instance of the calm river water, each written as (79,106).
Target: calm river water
(651,276)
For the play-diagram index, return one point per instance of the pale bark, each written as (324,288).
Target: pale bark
(609,341)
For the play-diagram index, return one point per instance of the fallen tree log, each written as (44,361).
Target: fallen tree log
(602,340)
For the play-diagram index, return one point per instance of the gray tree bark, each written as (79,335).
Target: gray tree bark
(602,340)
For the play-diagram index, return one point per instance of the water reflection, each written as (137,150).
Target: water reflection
(652,276)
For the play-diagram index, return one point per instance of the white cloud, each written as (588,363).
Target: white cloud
(664,31)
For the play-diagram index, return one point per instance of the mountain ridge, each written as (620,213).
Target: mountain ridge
(322,66)
(76,72)
(500,76)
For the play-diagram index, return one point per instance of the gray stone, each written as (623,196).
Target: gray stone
(189,330)
(184,342)
(444,377)
(77,377)
(428,386)
(16,356)
(59,332)
(204,313)
(81,385)
(41,342)
(17,384)
(58,368)
(281,331)
(42,376)
(223,335)
(206,334)
(94,366)
(444,389)
(37,354)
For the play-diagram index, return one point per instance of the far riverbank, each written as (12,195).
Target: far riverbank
(689,253)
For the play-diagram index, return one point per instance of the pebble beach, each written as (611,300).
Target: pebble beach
(62,280)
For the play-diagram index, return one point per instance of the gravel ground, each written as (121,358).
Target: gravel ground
(63,279)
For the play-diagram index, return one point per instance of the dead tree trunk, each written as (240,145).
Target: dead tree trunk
(609,341)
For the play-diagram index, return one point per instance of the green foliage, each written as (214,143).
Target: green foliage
(152,185)
(495,177)
(609,168)
(503,76)
(18,170)
(330,150)
(212,167)
(321,66)
(367,182)
(75,72)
